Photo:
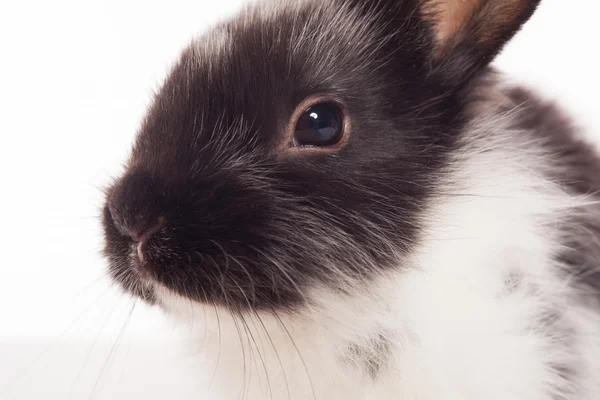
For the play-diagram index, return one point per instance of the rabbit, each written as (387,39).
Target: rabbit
(348,201)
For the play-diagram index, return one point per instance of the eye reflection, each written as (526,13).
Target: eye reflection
(320,125)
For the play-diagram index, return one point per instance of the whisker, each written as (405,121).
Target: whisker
(244,387)
(262,359)
(224,292)
(297,351)
(113,349)
(89,352)
(126,354)
(219,346)
(287,384)
(23,371)
(251,351)
(87,287)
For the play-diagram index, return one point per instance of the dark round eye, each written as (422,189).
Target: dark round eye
(320,125)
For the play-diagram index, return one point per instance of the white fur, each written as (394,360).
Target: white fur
(466,313)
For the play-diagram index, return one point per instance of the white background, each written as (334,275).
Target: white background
(75,78)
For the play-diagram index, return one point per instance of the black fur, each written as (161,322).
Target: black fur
(246,224)
(576,166)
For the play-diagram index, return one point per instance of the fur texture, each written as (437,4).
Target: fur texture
(449,249)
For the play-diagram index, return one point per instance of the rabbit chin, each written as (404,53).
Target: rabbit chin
(481,309)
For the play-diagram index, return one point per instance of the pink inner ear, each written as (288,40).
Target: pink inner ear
(448,16)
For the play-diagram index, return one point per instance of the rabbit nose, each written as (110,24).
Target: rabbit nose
(139,228)
(133,207)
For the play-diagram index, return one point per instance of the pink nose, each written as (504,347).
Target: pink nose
(142,231)
(140,228)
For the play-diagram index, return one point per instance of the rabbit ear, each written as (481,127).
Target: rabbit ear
(454,38)
(468,34)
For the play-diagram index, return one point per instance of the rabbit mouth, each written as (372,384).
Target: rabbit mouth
(137,253)
(137,280)
(128,263)
(135,276)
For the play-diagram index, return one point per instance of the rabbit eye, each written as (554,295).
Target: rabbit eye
(321,125)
